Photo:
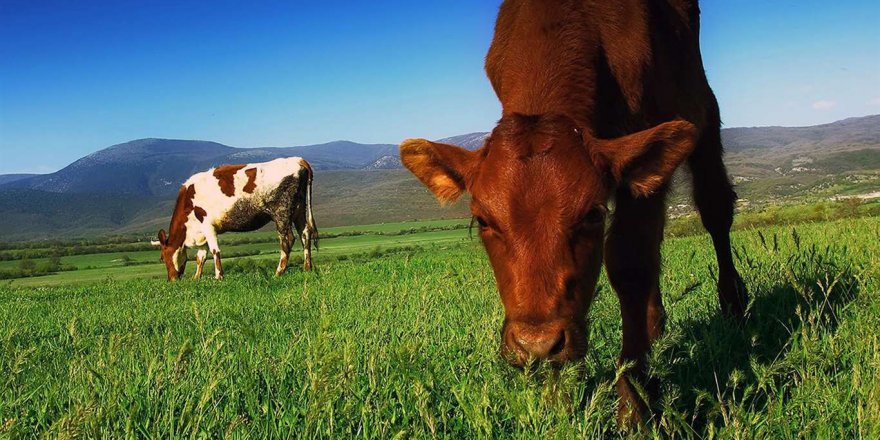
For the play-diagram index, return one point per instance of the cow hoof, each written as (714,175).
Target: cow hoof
(733,297)
(630,409)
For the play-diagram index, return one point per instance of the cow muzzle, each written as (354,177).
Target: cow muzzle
(556,342)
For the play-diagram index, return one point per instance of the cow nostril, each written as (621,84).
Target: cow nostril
(559,346)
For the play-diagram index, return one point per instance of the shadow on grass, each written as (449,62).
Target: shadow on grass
(715,358)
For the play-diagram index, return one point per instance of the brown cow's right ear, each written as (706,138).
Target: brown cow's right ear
(444,169)
(163,239)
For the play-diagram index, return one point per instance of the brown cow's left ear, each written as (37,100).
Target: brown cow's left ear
(444,169)
(645,160)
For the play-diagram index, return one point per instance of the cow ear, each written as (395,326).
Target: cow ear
(645,160)
(444,169)
(163,239)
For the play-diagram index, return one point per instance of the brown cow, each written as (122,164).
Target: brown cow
(601,101)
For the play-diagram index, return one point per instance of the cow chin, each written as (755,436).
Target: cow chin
(175,263)
(174,274)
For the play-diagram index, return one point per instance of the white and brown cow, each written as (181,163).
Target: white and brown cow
(240,198)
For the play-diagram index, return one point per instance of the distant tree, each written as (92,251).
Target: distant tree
(53,264)
(819,212)
(27,265)
(849,207)
(126,260)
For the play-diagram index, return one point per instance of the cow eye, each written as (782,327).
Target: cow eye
(595,216)
(482,225)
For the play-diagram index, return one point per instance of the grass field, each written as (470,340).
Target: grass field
(131,257)
(405,345)
(145,264)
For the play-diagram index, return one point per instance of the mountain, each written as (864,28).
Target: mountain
(156,167)
(141,167)
(847,145)
(471,141)
(6,178)
(130,187)
(29,213)
(341,197)
(848,133)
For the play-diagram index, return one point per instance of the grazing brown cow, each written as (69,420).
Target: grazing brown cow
(601,101)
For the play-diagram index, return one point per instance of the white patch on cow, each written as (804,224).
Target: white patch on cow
(179,258)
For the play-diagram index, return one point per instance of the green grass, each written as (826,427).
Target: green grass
(115,256)
(405,345)
(98,267)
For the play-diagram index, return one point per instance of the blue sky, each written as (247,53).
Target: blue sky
(77,76)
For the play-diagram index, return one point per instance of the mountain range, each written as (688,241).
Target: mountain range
(127,187)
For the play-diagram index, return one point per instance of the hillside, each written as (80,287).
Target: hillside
(156,167)
(849,145)
(471,141)
(7,178)
(128,187)
(29,213)
(341,197)
(847,133)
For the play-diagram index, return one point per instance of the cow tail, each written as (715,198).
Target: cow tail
(310,219)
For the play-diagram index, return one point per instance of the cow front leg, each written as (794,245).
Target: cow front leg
(632,260)
(201,257)
(214,247)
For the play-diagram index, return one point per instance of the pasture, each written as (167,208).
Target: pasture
(143,262)
(405,344)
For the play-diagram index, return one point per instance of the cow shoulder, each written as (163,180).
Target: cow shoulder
(623,32)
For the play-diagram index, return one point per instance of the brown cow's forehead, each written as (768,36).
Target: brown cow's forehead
(560,183)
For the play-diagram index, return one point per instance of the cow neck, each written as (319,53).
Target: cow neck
(182,209)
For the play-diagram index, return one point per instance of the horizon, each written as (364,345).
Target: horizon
(378,143)
(96,75)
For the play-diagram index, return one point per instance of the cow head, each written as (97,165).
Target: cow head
(173,256)
(539,188)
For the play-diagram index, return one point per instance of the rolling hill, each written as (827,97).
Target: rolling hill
(7,178)
(128,187)
(847,145)
(341,197)
(156,167)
